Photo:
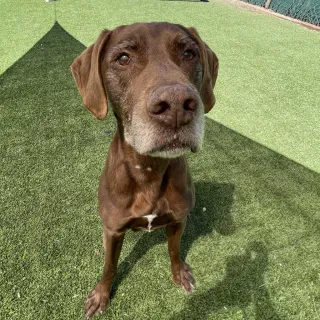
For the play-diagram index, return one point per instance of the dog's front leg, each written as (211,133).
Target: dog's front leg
(181,272)
(99,298)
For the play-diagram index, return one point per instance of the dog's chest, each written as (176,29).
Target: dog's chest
(150,217)
(152,221)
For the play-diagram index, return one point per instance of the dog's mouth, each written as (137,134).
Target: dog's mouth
(172,147)
(150,139)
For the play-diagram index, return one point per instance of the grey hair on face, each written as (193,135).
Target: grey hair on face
(143,136)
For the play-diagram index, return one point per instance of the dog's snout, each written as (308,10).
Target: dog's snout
(173,105)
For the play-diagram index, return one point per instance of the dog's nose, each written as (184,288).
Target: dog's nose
(173,105)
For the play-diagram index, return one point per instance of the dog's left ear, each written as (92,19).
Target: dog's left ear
(86,70)
(210,66)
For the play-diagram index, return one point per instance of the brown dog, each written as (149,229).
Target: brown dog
(158,78)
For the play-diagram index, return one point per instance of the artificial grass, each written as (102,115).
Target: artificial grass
(267,88)
(254,250)
(268,84)
(22,24)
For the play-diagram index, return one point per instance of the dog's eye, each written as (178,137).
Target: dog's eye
(188,55)
(123,59)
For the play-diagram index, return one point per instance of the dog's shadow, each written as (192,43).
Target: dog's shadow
(212,212)
(242,286)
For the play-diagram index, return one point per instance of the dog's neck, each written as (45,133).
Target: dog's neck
(143,163)
(142,181)
(144,175)
(148,178)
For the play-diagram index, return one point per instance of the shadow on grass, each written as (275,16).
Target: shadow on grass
(242,286)
(216,198)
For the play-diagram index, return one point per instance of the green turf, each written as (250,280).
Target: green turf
(269,76)
(254,250)
(22,23)
(268,86)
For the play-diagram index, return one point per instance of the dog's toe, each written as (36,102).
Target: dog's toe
(184,278)
(97,302)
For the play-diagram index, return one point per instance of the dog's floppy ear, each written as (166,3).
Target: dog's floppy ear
(210,65)
(86,70)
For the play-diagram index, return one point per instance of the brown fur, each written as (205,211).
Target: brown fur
(136,183)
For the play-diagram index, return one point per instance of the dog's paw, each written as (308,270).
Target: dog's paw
(183,277)
(97,301)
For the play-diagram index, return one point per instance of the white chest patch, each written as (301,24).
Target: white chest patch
(150,218)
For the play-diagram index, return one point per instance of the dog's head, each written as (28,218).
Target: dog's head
(157,77)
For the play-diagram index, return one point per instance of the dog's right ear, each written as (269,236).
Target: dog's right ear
(86,70)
